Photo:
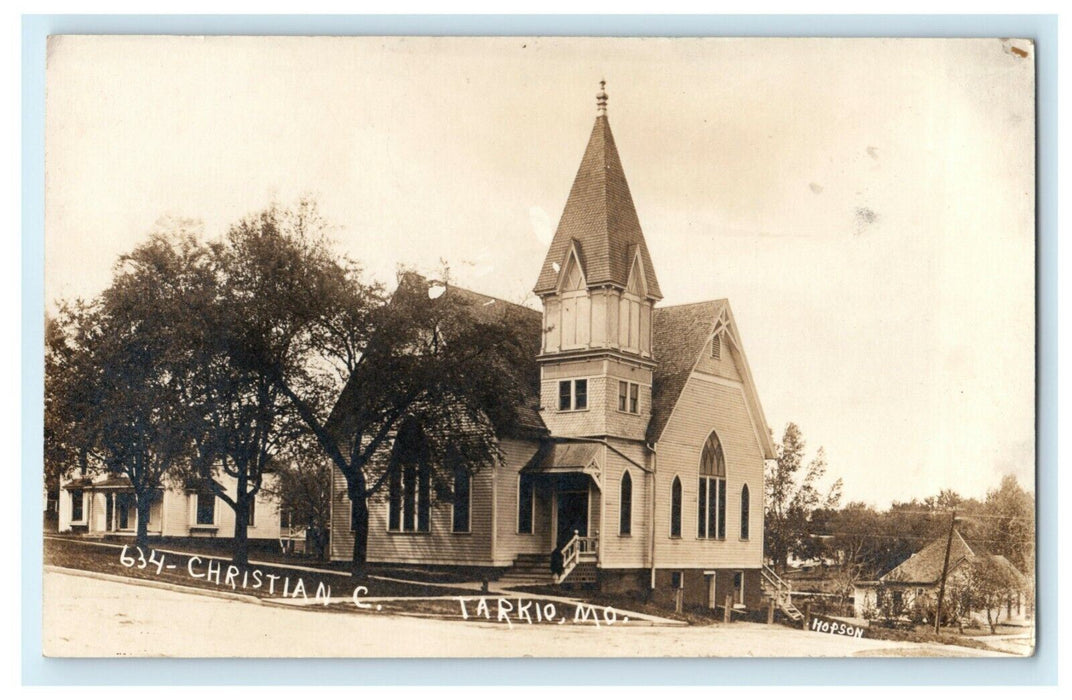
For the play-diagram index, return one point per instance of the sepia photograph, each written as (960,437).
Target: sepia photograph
(562,347)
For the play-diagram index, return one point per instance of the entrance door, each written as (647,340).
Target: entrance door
(572,515)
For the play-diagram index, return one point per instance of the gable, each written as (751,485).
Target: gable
(682,338)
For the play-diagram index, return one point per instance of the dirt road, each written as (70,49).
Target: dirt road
(93,617)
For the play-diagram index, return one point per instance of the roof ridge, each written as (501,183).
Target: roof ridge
(693,303)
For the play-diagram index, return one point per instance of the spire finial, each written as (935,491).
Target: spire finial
(601,99)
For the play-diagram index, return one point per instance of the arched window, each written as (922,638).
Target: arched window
(625,506)
(711,491)
(409,486)
(744,512)
(675,508)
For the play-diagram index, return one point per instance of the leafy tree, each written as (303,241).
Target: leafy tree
(114,391)
(316,326)
(987,585)
(302,487)
(1010,526)
(792,497)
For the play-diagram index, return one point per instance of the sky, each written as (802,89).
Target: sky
(866,205)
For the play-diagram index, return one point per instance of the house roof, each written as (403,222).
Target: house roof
(925,566)
(564,456)
(679,334)
(484,308)
(600,219)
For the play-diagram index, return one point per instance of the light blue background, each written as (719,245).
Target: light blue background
(1041,669)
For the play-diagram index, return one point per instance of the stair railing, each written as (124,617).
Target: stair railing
(576,549)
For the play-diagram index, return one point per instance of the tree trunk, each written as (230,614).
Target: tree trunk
(360,526)
(143,502)
(240,552)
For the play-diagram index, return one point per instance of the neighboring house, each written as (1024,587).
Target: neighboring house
(919,577)
(106,505)
(640,459)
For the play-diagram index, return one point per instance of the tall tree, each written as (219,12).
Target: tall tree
(116,376)
(313,326)
(792,496)
(1011,524)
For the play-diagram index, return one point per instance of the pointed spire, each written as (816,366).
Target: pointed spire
(600,218)
(601,99)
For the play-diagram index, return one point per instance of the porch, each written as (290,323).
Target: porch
(566,477)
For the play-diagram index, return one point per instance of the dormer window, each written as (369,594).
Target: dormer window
(573,395)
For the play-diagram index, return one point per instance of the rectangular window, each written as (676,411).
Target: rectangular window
(394,506)
(462,490)
(711,508)
(701,502)
(565,395)
(206,508)
(721,509)
(676,579)
(573,395)
(124,504)
(628,397)
(580,393)
(524,504)
(77,506)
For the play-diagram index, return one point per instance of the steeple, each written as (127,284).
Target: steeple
(598,290)
(600,219)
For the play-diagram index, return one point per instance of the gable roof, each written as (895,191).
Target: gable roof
(925,566)
(679,335)
(527,322)
(600,218)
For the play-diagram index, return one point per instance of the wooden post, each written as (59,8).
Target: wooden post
(945,571)
(727,608)
(770,612)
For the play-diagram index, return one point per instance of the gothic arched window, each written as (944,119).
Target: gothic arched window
(625,506)
(711,492)
(744,512)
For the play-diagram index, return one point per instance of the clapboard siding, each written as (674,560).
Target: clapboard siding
(625,551)
(725,366)
(441,545)
(707,405)
(509,543)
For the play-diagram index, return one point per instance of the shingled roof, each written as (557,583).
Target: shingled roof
(600,217)
(527,322)
(679,334)
(925,566)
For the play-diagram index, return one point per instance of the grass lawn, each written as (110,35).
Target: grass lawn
(175,569)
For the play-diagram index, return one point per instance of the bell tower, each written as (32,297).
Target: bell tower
(598,289)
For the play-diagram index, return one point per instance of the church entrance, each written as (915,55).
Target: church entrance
(572,508)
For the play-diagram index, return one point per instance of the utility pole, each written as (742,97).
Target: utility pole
(945,571)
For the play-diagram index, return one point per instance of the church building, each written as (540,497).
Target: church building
(642,468)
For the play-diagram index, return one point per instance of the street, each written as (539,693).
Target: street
(93,617)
